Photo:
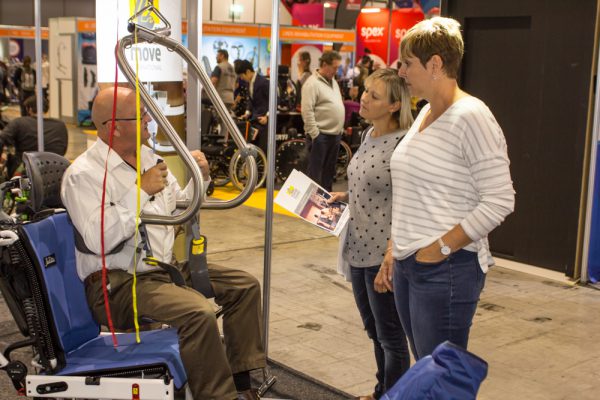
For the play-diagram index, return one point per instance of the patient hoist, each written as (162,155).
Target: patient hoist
(38,278)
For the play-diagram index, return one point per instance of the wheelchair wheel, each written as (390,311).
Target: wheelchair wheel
(344,156)
(291,154)
(218,178)
(239,171)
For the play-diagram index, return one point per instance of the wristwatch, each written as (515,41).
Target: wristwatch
(444,248)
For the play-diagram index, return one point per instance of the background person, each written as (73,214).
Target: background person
(223,78)
(451,187)
(25,80)
(258,103)
(22,133)
(386,105)
(323,116)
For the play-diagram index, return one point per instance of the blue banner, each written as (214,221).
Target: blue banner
(427,5)
(404,3)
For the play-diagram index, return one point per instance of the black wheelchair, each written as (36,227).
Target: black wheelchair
(291,152)
(226,162)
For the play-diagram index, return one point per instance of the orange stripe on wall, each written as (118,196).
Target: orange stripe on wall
(22,33)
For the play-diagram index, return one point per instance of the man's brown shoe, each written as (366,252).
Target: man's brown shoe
(250,394)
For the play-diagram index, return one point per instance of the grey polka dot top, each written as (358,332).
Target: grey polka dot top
(370,200)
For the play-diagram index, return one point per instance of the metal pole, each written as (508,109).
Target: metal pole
(390,33)
(591,179)
(38,75)
(194,17)
(268,379)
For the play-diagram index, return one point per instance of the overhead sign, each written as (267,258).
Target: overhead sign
(372,32)
(156,63)
(402,21)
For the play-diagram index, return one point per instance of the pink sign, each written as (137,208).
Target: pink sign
(308,15)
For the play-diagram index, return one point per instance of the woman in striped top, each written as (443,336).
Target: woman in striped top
(451,187)
(386,105)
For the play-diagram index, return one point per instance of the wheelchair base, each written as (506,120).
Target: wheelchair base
(81,387)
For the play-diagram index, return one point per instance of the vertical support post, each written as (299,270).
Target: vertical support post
(38,74)
(390,32)
(269,379)
(194,17)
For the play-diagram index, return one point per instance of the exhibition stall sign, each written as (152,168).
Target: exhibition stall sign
(156,63)
(381,34)
(251,42)
(402,21)
(21,32)
(87,75)
(15,39)
(307,16)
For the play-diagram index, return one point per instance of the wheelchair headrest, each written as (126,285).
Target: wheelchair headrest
(45,171)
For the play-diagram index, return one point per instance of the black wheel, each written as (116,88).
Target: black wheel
(239,171)
(344,156)
(291,154)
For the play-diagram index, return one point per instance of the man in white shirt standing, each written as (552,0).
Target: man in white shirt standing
(214,371)
(323,116)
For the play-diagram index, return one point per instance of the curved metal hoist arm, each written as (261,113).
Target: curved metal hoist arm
(144,35)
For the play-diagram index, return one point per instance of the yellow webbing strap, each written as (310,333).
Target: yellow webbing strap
(138,167)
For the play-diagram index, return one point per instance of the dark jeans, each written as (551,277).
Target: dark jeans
(383,326)
(437,302)
(323,157)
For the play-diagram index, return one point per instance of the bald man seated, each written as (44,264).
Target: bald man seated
(214,371)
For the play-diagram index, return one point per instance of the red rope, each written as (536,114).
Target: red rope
(104,269)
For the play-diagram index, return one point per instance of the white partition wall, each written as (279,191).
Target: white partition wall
(63,75)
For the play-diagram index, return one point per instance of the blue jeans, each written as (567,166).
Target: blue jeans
(437,302)
(383,326)
(322,159)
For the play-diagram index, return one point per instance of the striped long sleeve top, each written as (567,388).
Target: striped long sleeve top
(455,171)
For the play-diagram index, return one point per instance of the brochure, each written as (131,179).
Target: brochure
(303,197)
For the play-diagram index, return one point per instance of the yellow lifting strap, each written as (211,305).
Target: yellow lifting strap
(138,167)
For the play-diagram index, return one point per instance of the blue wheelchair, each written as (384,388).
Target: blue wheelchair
(39,282)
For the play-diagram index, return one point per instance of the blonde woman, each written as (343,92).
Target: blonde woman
(451,187)
(386,104)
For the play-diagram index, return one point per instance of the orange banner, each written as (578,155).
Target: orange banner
(285,33)
(305,34)
(22,33)
(86,26)
(225,29)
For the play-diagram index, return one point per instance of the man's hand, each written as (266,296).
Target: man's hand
(200,159)
(154,180)
(263,120)
(338,196)
(383,280)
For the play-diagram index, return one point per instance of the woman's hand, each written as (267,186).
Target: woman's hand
(383,280)
(338,196)
(431,254)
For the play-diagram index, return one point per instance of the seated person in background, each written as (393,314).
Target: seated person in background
(351,104)
(22,134)
(214,371)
